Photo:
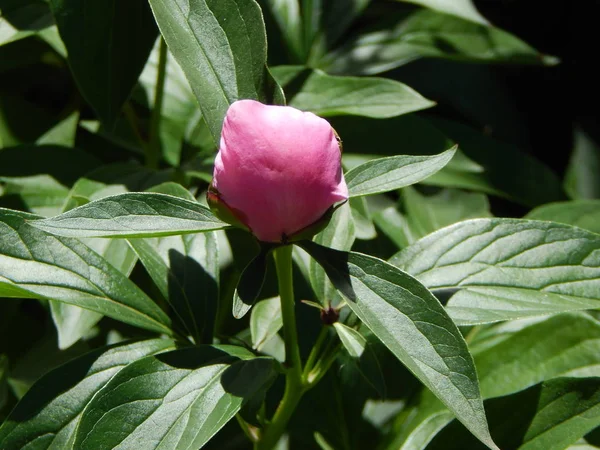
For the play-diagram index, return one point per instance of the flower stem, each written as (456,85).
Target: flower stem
(153,149)
(294,387)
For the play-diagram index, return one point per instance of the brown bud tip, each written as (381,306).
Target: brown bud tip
(329,316)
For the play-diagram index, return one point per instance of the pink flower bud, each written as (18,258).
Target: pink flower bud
(278,170)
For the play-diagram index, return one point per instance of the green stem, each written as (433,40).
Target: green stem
(314,353)
(294,387)
(153,150)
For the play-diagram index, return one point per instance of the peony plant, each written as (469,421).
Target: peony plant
(188,260)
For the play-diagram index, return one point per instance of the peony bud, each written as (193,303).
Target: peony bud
(278,171)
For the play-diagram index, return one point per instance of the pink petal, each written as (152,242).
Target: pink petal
(279,166)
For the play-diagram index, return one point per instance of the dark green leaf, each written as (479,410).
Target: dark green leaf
(387,174)
(221,47)
(427,33)
(3,378)
(363,357)
(40,194)
(22,18)
(36,265)
(287,15)
(179,105)
(178,399)
(50,412)
(327,95)
(72,322)
(63,133)
(133,215)
(549,416)
(186,271)
(410,321)
(510,359)
(531,182)
(580,213)
(108,44)
(64,164)
(250,283)
(507,268)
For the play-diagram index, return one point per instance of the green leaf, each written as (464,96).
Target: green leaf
(427,33)
(549,416)
(531,183)
(511,357)
(510,360)
(250,283)
(579,213)
(265,321)
(178,399)
(186,271)
(221,47)
(379,98)
(36,265)
(65,164)
(506,269)
(40,194)
(22,18)
(363,223)
(72,323)
(179,108)
(340,235)
(63,133)
(289,19)
(580,179)
(362,354)
(367,139)
(50,412)
(133,215)
(411,322)
(387,174)
(460,8)
(426,214)
(108,44)
(3,379)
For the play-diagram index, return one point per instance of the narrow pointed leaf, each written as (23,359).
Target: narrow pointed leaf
(501,269)
(178,399)
(411,322)
(133,214)
(327,95)
(428,33)
(250,283)
(34,264)
(221,47)
(108,44)
(50,412)
(393,172)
